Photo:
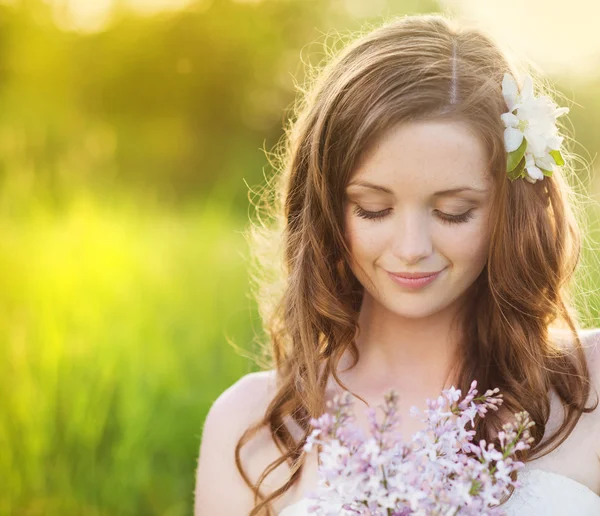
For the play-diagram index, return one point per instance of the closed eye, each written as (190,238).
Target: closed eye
(444,217)
(455,219)
(370,214)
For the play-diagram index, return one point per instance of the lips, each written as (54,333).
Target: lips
(414,280)
(414,275)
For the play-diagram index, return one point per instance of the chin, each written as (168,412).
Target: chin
(412,310)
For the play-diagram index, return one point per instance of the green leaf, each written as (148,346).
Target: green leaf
(514,157)
(517,171)
(557,157)
(547,173)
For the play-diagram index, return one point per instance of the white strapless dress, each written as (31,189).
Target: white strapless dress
(542,493)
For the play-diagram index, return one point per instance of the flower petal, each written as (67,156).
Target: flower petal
(512,139)
(546,162)
(527,89)
(554,142)
(534,172)
(510,90)
(510,119)
(537,141)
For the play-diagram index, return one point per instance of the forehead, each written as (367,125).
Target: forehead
(426,156)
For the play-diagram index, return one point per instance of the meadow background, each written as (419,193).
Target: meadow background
(130,133)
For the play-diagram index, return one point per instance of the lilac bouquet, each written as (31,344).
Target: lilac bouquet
(433,474)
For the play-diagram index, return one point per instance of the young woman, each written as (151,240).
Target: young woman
(413,258)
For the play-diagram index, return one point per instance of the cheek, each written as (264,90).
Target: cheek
(469,245)
(366,238)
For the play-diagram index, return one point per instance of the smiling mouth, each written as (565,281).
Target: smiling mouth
(416,280)
(414,275)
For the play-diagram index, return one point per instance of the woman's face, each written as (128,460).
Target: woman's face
(419,202)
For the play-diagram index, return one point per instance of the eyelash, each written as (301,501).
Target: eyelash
(448,219)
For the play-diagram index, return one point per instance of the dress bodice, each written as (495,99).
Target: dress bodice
(541,492)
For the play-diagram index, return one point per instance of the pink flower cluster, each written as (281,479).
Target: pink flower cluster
(433,474)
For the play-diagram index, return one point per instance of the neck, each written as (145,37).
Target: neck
(410,354)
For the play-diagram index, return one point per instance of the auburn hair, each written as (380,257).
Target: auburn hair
(411,68)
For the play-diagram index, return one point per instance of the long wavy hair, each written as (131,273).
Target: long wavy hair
(411,68)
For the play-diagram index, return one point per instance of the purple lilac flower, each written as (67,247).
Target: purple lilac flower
(440,471)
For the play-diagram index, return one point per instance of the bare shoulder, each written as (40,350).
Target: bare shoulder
(590,341)
(244,398)
(572,457)
(220,489)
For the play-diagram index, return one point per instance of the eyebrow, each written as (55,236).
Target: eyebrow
(441,193)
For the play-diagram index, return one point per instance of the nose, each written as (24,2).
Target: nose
(412,240)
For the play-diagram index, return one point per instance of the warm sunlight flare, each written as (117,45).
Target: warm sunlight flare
(91,16)
(561,38)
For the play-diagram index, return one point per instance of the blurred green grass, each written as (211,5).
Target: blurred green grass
(115,319)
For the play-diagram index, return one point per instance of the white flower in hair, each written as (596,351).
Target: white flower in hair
(531,136)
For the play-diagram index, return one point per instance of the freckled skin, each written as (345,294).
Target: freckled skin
(414,161)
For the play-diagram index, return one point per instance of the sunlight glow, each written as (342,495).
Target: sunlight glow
(154,6)
(82,15)
(94,15)
(559,37)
